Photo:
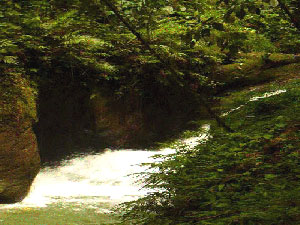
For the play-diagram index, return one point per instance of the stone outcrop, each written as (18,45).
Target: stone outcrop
(19,158)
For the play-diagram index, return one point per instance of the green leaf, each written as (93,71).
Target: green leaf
(221,186)
(270,176)
(280,125)
(268,136)
(10,59)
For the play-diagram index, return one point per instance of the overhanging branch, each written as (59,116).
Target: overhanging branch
(112,7)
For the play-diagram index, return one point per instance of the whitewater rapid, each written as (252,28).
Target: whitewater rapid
(93,178)
(98,177)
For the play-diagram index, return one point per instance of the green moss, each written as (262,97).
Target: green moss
(57,214)
(19,159)
(281,57)
(253,69)
(285,72)
(17,101)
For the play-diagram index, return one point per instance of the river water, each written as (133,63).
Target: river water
(83,189)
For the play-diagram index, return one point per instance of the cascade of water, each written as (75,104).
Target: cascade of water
(95,178)
(256,98)
(102,177)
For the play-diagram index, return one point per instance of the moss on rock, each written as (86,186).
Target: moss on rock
(19,158)
(257,68)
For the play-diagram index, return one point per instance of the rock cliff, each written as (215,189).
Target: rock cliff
(19,158)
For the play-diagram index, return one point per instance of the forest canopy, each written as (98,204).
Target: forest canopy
(190,36)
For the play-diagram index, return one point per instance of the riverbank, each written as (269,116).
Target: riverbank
(247,176)
(261,151)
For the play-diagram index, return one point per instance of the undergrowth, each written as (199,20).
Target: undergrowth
(250,176)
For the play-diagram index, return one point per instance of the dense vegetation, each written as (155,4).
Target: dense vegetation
(245,177)
(164,61)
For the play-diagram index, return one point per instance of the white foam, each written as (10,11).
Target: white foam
(256,98)
(267,95)
(192,142)
(90,179)
(99,177)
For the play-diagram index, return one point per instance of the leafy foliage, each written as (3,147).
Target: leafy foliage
(246,177)
(88,38)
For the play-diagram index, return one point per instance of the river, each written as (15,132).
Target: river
(83,189)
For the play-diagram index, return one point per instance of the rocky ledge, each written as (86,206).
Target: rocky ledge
(19,157)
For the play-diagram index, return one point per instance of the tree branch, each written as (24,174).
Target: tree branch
(133,31)
(110,5)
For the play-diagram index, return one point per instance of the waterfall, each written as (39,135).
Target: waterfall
(99,177)
(93,179)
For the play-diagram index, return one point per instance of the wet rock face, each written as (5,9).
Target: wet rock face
(19,164)
(19,157)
